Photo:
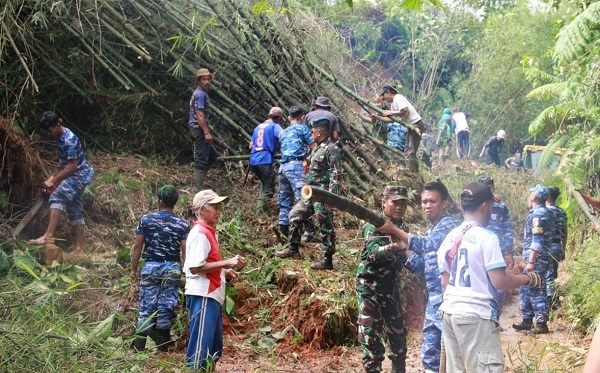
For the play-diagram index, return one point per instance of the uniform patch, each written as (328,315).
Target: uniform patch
(535,222)
(537,230)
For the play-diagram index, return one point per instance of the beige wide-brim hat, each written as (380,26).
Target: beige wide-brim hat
(203,72)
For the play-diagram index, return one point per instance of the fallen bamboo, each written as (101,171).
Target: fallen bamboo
(310,192)
(584,206)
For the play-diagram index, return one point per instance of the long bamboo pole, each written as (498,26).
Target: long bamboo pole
(19,56)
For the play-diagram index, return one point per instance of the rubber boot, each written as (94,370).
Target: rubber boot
(291,251)
(325,263)
(399,363)
(163,339)
(139,343)
(199,179)
(285,230)
(526,324)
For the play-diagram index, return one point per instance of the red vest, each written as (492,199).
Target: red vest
(214,255)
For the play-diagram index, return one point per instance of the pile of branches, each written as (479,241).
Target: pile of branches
(127,66)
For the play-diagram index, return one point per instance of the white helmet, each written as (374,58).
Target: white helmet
(501,134)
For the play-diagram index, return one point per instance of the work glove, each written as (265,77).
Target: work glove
(535,281)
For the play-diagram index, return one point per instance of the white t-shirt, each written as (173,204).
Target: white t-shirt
(197,250)
(400,102)
(461,122)
(470,290)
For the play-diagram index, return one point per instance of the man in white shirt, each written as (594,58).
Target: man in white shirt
(463,145)
(206,273)
(472,268)
(402,108)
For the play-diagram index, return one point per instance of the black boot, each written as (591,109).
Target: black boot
(399,363)
(539,328)
(291,252)
(139,343)
(284,229)
(325,263)
(526,324)
(163,339)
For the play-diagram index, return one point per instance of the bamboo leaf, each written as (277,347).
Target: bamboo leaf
(260,6)
(412,4)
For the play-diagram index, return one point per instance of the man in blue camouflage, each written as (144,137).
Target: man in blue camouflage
(161,236)
(68,184)
(381,260)
(294,141)
(536,245)
(501,224)
(324,173)
(559,243)
(422,258)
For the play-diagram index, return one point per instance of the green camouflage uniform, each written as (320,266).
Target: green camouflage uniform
(379,309)
(323,172)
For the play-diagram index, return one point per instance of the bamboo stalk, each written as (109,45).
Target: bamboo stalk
(354,177)
(18,53)
(584,206)
(130,44)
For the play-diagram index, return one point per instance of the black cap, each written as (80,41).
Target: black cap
(385,88)
(319,122)
(474,195)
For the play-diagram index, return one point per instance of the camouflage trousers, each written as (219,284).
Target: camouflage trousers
(322,218)
(551,276)
(159,291)
(432,339)
(291,180)
(68,196)
(378,313)
(534,302)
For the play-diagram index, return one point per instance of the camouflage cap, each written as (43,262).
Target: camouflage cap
(319,122)
(540,191)
(395,193)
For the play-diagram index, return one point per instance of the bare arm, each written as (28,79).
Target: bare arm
(389,228)
(592,363)
(502,280)
(237,262)
(594,202)
(136,254)
(482,151)
(67,171)
(444,278)
(183,249)
(201,119)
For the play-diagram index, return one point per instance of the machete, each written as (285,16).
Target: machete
(45,191)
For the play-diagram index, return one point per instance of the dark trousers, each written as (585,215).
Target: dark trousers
(266,174)
(462,144)
(205,154)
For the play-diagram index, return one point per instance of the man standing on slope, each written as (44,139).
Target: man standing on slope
(472,269)
(422,258)
(402,108)
(264,143)
(461,130)
(205,153)
(295,141)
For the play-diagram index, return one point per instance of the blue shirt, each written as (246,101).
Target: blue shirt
(500,224)
(397,135)
(163,232)
(265,140)
(294,141)
(199,101)
(69,147)
(559,222)
(424,249)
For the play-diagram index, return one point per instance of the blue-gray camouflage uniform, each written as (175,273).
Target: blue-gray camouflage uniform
(501,224)
(378,308)
(294,142)
(160,275)
(537,237)
(557,252)
(423,260)
(68,196)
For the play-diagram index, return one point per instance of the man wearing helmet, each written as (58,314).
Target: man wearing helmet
(492,148)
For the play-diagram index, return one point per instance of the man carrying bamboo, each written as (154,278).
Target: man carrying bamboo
(264,143)
(324,173)
(205,153)
(401,107)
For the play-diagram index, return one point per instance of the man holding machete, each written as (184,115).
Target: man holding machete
(70,181)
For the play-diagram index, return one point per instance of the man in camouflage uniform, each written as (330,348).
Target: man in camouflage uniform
(323,172)
(68,184)
(379,310)
(294,141)
(422,258)
(501,224)
(559,242)
(536,245)
(161,236)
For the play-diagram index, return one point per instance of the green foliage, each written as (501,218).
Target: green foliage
(579,34)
